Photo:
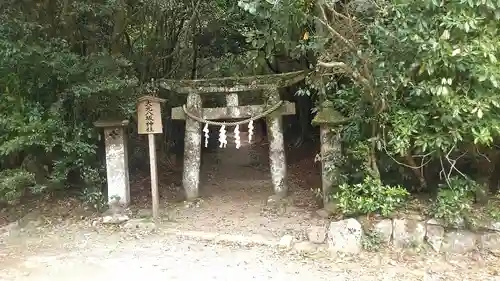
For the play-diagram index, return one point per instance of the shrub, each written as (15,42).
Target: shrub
(92,194)
(369,197)
(372,241)
(454,200)
(13,185)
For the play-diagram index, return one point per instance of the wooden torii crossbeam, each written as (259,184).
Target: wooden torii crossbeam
(231,86)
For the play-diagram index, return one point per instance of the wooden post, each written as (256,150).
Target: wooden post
(277,157)
(150,123)
(192,149)
(155,200)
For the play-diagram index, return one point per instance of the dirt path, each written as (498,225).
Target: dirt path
(86,253)
(235,185)
(99,258)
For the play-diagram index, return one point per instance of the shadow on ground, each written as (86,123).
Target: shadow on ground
(235,184)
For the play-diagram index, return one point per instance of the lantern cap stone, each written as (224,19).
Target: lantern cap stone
(328,115)
(151,98)
(111,123)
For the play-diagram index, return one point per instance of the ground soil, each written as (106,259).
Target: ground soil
(60,241)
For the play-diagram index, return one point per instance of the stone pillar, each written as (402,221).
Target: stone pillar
(276,145)
(116,160)
(329,152)
(329,122)
(192,149)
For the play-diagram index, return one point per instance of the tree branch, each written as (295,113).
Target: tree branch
(333,31)
(186,31)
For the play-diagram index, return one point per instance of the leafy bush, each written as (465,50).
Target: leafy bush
(49,97)
(369,197)
(493,211)
(92,194)
(424,78)
(93,197)
(454,201)
(372,241)
(13,184)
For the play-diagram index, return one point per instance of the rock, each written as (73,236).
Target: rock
(495,226)
(366,223)
(328,209)
(406,233)
(276,205)
(345,236)
(460,223)
(115,219)
(490,241)
(459,242)
(384,229)
(9,229)
(317,234)
(322,213)
(274,199)
(305,247)
(286,241)
(242,240)
(331,207)
(115,207)
(434,236)
(434,222)
(95,223)
(30,220)
(144,213)
(412,215)
(142,224)
(116,213)
(196,203)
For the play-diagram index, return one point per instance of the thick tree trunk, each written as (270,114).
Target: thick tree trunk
(118,28)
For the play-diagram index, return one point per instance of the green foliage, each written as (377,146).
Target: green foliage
(493,211)
(432,75)
(13,184)
(441,61)
(453,204)
(372,241)
(279,28)
(418,82)
(370,197)
(92,194)
(69,64)
(356,154)
(50,95)
(94,198)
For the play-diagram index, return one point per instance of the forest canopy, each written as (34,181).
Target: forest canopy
(417,81)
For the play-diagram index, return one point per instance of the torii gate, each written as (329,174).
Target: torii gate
(194,114)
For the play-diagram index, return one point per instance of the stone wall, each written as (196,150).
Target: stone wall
(347,235)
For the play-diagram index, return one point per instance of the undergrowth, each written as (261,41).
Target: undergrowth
(14,183)
(370,197)
(372,241)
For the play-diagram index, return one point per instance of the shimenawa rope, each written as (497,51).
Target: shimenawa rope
(235,123)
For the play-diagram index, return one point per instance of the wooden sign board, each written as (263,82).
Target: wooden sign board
(149,115)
